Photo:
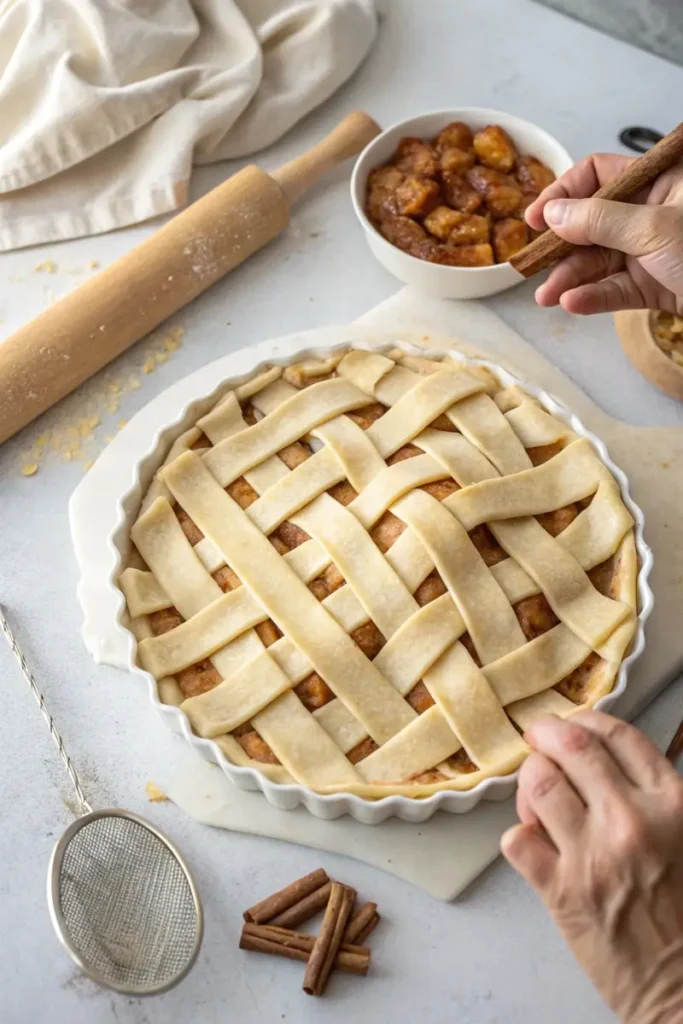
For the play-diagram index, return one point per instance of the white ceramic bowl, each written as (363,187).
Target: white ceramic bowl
(432,278)
(105,605)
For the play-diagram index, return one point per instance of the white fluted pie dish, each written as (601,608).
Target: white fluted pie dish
(367,804)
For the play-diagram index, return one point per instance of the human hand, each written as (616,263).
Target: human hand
(633,252)
(601,841)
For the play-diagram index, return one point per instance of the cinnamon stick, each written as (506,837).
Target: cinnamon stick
(286,898)
(548,248)
(675,748)
(263,938)
(329,939)
(362,923)
(304,909)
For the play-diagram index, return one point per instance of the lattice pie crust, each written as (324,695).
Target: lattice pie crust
(369,573)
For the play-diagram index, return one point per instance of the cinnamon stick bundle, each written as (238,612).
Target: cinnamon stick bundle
(269,928)
(329,938)
(286,899)
(264,938)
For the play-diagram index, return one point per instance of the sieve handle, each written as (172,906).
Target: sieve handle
(85,807)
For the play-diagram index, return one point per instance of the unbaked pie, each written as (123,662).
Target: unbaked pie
(368,573)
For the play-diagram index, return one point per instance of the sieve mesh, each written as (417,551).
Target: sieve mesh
(127,907)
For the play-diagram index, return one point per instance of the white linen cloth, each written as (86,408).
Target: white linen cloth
(106,104)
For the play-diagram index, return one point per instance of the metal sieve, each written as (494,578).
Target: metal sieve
(121,897)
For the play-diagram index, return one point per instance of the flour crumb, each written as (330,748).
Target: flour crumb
(149,365)
(154,794)
(87,425)
(89,465)
(93,264)
(46,267)
(30,469)
(121,424)
(172,343)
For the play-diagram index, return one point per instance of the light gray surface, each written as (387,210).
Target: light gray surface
(655,25)
(493,956)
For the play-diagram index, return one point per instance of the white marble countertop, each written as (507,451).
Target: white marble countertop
(492,956)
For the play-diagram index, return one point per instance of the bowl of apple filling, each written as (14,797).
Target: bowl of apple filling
(441,197)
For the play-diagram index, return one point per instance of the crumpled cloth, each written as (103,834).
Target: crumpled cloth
(105,105)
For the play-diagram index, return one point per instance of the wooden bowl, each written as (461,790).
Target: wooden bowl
(634,327)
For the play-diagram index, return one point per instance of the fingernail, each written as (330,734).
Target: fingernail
(556,212)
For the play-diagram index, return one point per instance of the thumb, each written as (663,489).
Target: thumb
(635,230)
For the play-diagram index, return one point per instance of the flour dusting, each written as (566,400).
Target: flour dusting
(81,430)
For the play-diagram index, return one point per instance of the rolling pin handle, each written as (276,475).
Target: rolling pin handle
(348,139)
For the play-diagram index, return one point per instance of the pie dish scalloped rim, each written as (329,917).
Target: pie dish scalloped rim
(287,796)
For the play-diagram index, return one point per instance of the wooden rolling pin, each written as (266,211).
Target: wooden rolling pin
(78,335)
(548,248)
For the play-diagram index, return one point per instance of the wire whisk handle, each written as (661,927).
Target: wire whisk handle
(85,807)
